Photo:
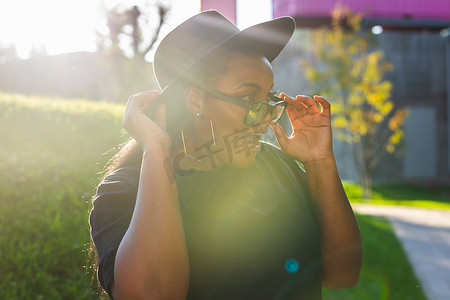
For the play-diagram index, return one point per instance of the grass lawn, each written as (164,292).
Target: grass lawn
(386,272)
(425,196)
(51,152)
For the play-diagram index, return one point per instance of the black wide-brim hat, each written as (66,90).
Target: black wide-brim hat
(207,31)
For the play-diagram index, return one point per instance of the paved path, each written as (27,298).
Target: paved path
(425,236)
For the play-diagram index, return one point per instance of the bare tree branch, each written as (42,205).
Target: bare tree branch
(162,12)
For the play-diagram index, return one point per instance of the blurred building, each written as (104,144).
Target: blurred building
(415,38)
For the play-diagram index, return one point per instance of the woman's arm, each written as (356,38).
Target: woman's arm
(340,236)
(311,144)
(152,260)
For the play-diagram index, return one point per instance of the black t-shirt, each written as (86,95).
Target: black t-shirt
(251,233)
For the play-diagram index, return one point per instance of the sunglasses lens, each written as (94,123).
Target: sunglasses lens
(277,112)
(259,111)
(256,114)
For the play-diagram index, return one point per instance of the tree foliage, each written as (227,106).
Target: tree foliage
(349,69)
(7,53)
(127,27)
(130,34)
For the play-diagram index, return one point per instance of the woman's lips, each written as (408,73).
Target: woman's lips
(256,139)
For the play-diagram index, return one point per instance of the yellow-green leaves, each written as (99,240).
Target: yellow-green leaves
(350,72)
(395,125)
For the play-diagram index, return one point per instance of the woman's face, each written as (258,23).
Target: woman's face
(249,77)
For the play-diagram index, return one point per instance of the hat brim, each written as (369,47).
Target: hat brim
(267,38)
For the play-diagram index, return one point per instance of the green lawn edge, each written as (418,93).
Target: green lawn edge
(386,272)
(413,195)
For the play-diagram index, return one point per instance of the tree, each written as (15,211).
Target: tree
(128,24)
(8,53)
(129,35)
(350,70)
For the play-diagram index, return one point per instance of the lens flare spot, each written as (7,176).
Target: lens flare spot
(291,265)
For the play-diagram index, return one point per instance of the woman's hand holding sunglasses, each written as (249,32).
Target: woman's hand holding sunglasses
(148,132)
(311,139)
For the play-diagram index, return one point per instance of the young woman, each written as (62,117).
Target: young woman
(196,206)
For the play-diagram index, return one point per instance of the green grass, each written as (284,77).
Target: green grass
(417,195)
(386,272)
(51,153)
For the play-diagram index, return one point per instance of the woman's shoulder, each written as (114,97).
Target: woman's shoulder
(113,203)
(270,151)
(125,173)
(121,180)
(269,148)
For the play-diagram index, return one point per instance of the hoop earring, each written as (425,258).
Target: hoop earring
(184,143)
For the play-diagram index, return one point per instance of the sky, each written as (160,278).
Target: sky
(62,26)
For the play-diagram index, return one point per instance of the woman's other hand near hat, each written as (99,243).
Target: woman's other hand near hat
(147,132)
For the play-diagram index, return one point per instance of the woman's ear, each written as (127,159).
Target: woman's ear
(195,99)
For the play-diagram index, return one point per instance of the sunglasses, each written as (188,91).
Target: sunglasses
(257,112)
